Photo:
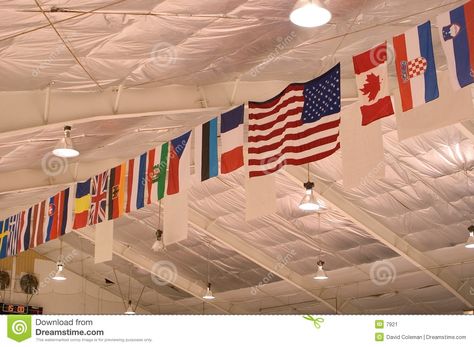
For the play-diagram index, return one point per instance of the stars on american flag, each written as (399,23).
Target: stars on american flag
(322,96)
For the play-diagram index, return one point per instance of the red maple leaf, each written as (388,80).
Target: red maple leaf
(372,86)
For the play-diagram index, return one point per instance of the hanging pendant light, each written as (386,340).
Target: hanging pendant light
(309,201)
(158,245)
(320,274)
(130,310)
(59,276)
(208,295)
(310,14)
(65,148)
(470,240)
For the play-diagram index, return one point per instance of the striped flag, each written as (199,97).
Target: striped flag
(136,182)
(179,164)
(58,215)
(25,231)
(456,31)
(4,233)
(232,138)
(415,65)
(205,150)
(82,204)
(16,226)
(37,216)
(116,191)
(298,126)
(373,89)
(156,173)
(98,209)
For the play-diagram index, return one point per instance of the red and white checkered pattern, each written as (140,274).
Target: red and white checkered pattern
(417,67)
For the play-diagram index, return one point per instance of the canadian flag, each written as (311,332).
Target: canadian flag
(372,84)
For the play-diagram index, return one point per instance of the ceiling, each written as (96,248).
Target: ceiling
(129,75)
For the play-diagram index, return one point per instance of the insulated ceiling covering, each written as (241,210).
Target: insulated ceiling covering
(82,44)
(426,197)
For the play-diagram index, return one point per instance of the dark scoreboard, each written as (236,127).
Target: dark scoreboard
(19,309)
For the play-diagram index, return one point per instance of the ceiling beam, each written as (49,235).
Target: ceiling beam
(254,254)
(386,236)
(191,287)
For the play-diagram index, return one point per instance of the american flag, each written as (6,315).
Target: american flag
(97,212)
(298,126)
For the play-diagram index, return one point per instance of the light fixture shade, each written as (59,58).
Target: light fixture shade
(309,201)
(158,246)
(64,147)
(310,14)
(59,276)
(130,310)
(470,241)
(208,295)
(320,274)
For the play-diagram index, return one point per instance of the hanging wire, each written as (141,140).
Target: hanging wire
(159,214)
(120,289)
(129,281)
(209,262)
(139,298)
(319,235)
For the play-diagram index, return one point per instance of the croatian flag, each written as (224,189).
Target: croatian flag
(136,182)
(372,83)
(179,164)
(456,29)
(232,138)
(416,69)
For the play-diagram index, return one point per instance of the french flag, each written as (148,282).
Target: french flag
(456,29)
(416,69)
(136,181)
(179,164)
(232,138)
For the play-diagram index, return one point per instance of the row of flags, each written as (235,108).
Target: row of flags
(140,181)
(298,126)
(415,64)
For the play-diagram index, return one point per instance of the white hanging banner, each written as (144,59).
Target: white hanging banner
(104,240)
(175,218)
(260,194)
(361,147)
